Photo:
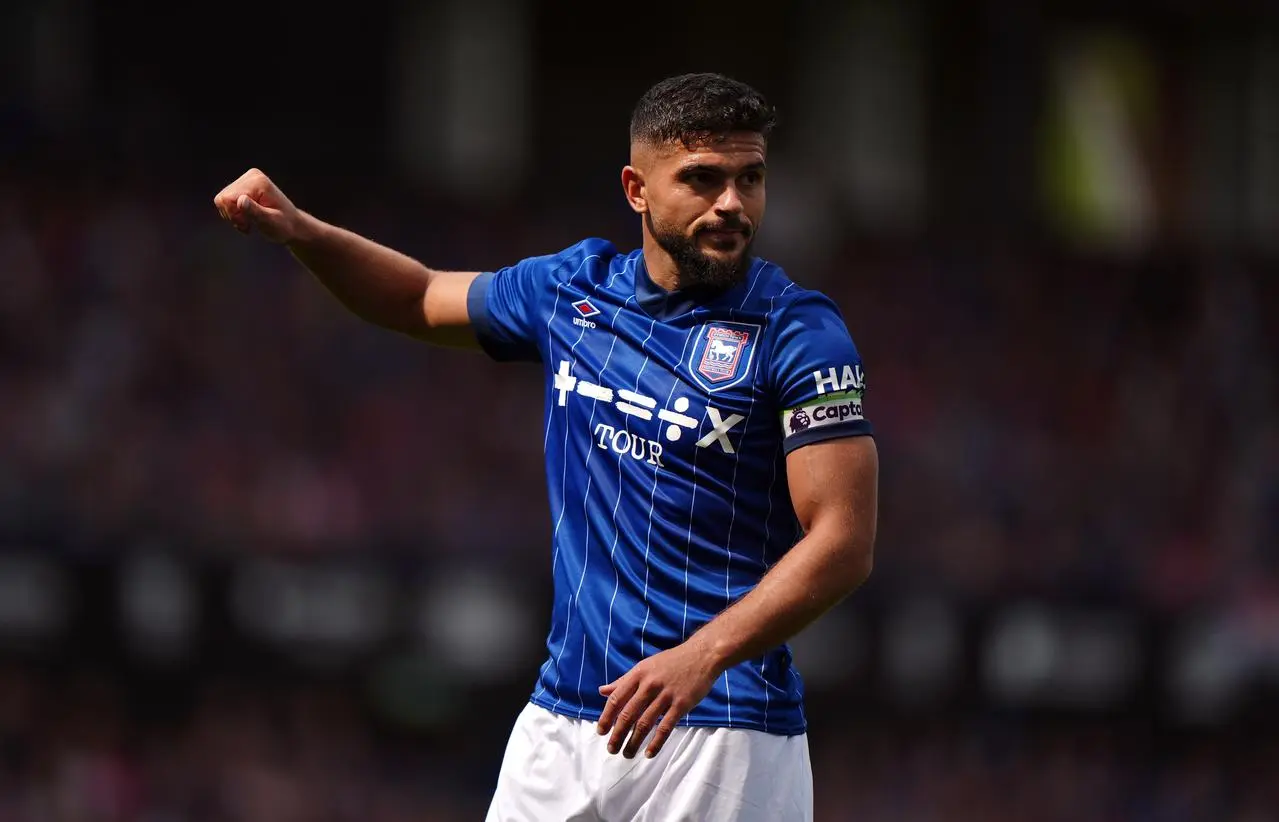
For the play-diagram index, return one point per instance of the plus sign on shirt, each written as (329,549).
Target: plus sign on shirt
(668,421)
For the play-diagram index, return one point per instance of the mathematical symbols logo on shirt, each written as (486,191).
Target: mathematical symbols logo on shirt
(676,418)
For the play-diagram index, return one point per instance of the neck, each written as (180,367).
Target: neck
(661,266)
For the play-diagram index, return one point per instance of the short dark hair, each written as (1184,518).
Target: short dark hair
(693,108)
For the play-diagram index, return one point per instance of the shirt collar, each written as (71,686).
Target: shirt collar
(665,305)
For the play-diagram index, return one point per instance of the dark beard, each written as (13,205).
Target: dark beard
(698,271)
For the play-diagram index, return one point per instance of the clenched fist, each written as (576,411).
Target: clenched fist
(253,201)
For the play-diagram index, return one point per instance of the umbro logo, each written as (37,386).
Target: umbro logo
(585,309)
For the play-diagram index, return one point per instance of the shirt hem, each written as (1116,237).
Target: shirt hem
(577,712)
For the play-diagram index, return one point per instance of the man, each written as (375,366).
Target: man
(712,487)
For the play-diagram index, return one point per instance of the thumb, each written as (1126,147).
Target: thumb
(605,690)
(252,209)
(270,222)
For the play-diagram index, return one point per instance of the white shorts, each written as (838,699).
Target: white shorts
(558,769)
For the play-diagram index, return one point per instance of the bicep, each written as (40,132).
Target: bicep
(447,320)
(834,486)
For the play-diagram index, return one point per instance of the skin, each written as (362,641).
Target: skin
(711,194)
(707,199)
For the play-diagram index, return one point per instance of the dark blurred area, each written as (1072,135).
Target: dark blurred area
(260,561)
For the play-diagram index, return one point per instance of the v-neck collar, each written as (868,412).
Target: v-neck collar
(667,305)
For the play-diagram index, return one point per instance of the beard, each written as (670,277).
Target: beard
(698,270)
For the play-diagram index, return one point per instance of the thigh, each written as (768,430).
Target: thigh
(726,775)
(541,777)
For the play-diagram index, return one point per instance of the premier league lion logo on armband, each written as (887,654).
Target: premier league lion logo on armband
(799,421)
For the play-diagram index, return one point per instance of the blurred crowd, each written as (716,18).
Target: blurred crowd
(1050,423)
(1084,427)
(1096,425)
(86,749)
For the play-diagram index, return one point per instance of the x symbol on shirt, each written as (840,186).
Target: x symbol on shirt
(719,433)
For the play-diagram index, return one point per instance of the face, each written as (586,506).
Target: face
(704,203)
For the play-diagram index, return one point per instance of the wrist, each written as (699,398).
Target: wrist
(713,650)
(305,230)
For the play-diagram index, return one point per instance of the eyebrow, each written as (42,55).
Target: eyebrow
(715,169)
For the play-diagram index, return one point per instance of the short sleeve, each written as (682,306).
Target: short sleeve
(507,307)
(817,374)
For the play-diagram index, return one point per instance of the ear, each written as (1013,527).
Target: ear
(633,187)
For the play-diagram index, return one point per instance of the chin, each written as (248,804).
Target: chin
(734,256)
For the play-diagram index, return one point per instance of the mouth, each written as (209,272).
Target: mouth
(725,237)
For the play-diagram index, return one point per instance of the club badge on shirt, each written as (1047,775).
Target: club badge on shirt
(722,354)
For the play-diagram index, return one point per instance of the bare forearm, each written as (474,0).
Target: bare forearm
(376,283)
(815,575)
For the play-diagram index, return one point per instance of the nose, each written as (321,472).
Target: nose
(729,202)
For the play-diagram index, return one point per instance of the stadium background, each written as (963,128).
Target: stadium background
(259,561)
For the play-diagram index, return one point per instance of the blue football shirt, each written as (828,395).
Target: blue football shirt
(667,425)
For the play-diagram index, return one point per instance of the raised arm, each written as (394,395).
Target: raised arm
(378,284)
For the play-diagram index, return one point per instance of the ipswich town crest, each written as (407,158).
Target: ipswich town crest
(722,354)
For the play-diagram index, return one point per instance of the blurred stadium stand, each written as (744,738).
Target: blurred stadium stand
(259,561)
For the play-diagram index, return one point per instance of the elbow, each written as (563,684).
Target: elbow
(856,560)
(849,555)
(861,564)
(860,548)
(426,315)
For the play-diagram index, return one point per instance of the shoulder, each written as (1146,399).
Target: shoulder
(583,261)
(779,297)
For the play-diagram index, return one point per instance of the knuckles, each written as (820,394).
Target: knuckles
(252,182)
